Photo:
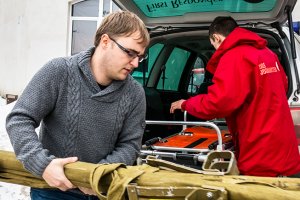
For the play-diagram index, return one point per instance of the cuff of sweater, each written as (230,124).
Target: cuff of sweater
(38,163)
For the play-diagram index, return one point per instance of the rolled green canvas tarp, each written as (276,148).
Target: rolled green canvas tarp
(110,181)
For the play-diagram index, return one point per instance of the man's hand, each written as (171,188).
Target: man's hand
(176,105)
(54,173)
(87,191)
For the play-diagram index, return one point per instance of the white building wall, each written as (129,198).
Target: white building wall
(296,12)
(31,33)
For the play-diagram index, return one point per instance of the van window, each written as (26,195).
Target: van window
(171,74)
(197,76)
(147,64)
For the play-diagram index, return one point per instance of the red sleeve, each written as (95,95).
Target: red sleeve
(229,91)
(183,105)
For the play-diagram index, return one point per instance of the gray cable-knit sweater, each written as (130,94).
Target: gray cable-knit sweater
(77,117)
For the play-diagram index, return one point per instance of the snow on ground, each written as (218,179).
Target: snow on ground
(9,191)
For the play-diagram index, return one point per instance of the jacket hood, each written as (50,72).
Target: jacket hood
(239,36)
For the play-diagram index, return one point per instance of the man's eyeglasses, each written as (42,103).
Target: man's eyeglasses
(131,53)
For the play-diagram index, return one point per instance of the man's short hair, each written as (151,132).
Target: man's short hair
(222,25)
(122,23)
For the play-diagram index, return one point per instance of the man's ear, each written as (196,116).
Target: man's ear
(217,38)
(104,41)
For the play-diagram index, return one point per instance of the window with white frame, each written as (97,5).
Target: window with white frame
(85,17)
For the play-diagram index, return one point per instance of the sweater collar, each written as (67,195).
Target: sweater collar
(83,59)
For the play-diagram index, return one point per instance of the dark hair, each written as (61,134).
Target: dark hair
(222,25)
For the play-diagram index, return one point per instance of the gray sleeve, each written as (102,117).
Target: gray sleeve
(129,142)
(36,101)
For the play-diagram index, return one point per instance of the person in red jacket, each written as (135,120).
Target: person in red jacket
(249,91)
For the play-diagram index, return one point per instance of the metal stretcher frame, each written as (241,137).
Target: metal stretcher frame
(184,124)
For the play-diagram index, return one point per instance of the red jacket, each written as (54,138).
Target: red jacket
(249,90)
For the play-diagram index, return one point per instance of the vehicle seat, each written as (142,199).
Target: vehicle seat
(154,111)
(154,104)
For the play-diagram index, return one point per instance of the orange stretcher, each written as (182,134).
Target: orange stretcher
(190,146)
(196,137)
